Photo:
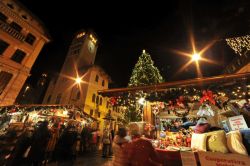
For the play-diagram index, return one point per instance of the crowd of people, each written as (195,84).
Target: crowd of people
(62,144)
(39,145)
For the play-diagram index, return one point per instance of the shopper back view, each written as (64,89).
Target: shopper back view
(140,151)
(66,149)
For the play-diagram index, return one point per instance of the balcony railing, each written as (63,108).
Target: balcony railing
(11,31)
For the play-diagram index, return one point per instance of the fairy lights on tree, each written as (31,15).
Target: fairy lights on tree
(144,73)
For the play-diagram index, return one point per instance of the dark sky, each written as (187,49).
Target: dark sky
(124,29)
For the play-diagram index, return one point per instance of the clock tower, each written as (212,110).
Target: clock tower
(80,57)
(83,48)
(81,53)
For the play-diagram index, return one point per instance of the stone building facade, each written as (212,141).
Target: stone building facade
(22,36)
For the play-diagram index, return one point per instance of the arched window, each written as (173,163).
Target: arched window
(100,100)
(58,98)
(96,78)
(48,100)
(91,112)
(78,95)
(103,82)
(93,98)
(97,100)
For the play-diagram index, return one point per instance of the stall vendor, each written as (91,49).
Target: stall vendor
(176,127)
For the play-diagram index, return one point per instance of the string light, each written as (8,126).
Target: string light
(239,44)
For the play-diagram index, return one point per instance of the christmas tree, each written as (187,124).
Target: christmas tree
(144,73)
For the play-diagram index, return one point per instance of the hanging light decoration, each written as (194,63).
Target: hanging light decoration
(239,44)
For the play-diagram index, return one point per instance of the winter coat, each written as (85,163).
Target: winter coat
(120,156)
(39,144)
(140,152)
(66,144)
(53,140)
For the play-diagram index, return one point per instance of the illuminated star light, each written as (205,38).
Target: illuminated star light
(195,56)
(78,80)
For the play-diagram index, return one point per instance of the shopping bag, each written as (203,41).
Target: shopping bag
(26,153)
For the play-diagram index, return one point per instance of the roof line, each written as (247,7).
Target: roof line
(174,84)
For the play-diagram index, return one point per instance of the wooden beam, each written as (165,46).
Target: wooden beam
(239,77)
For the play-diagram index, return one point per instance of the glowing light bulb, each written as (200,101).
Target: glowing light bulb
(78,80)
(196,57)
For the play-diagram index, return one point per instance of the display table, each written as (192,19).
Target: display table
(169,158)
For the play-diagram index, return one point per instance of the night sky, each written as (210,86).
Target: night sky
(124,29)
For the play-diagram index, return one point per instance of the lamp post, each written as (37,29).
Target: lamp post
(141,101)
(78,81)
(196,57)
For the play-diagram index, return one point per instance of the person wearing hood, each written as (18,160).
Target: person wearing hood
(118,148)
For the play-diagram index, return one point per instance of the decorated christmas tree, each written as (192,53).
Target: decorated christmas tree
(144,73)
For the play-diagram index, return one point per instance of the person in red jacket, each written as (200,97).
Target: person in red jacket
(140,152)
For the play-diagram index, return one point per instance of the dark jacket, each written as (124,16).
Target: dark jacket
(39,143)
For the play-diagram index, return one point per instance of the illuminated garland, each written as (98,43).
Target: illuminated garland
(181,114)
(239,43)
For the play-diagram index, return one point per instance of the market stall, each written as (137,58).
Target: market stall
(29,115)
(198,115)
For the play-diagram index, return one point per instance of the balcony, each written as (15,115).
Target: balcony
(11,31)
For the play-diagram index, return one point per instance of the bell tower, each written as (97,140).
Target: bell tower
(81,53)
(87,52)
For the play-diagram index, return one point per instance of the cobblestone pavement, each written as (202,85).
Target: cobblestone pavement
(91,159)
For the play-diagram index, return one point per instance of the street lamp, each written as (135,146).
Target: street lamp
(141,101)
(196,57)
(78,80)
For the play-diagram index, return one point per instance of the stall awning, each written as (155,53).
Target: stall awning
(197,82)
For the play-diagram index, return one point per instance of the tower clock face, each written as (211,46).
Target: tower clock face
(91,47)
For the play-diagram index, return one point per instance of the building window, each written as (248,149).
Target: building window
(107,105)
(58,98)
(78,95)
(97,99)
(16,26)
(49,98)
(18,56)
(3,46)
(10,5)
(30,39)
(5,78)
(233,68)
(100,100)
(93,98)
(96,78)
(91,112)
(24,17)
(3,17)
(239,62)
(103,82)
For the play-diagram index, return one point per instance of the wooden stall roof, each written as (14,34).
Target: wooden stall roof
(51,105)
(227,78)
